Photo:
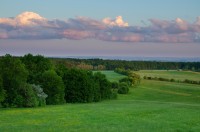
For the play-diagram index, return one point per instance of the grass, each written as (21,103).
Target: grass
(169,74)
(153,106)
(112,76)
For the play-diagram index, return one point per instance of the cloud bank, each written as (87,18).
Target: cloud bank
(30,25)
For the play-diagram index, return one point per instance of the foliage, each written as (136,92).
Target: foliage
(114,94)
(122,71)
(126,80)
(60,69)
(115,85)
(132,79)
(104,85)
(84,86)
(21,78)
(2,91)
(132,65)
(26,96)
(14,75)
(41,96)
(53,86)
(36,66)
(135,78)
(172,80)
(78,86)
(123,88)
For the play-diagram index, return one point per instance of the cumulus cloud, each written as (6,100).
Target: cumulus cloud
(30,25)
(115,22)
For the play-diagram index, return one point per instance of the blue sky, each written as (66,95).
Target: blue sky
(146,28)
(132,10)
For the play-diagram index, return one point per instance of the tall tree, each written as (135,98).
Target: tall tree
(104,85)
(13,74)
(78,86)
(36,66)
(2,91)
(53,86)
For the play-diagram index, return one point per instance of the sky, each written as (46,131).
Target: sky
(138,28)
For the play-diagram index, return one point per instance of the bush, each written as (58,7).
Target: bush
(41,96)
(115,85)
(126,80)
(114,94)
(172,80)
(26,96)
(123,88)
(149,78)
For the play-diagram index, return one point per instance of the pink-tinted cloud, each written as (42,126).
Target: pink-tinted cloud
(30,25)
(116,22)
(77,34)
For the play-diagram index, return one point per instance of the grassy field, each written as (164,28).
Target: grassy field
(112,76)
(153,106)
(169,74)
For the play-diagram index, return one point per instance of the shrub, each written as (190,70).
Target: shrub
(123,88)
(172,80)
(41,96)
(114,94)
(115,85)
(149,78)
(126,80)
(26,96)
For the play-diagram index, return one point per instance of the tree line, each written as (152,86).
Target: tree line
(31,81)
(172,80)
(100,64)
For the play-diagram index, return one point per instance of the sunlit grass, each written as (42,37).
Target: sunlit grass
(171,74)
(112,76)
(153,106)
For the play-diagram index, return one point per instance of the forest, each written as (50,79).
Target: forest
(31,81)
(100,64)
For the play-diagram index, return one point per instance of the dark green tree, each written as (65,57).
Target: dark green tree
(60,69)
(104,85)
(53,86)
(36,66)
(78,86)
(26,96)
(2,91)
(13,74)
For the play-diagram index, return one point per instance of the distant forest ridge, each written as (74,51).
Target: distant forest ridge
(103,64)
(132,58)
(111,63)
(126,58)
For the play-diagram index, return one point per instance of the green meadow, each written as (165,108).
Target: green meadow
(153,106)
(169,74)
(112,76)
